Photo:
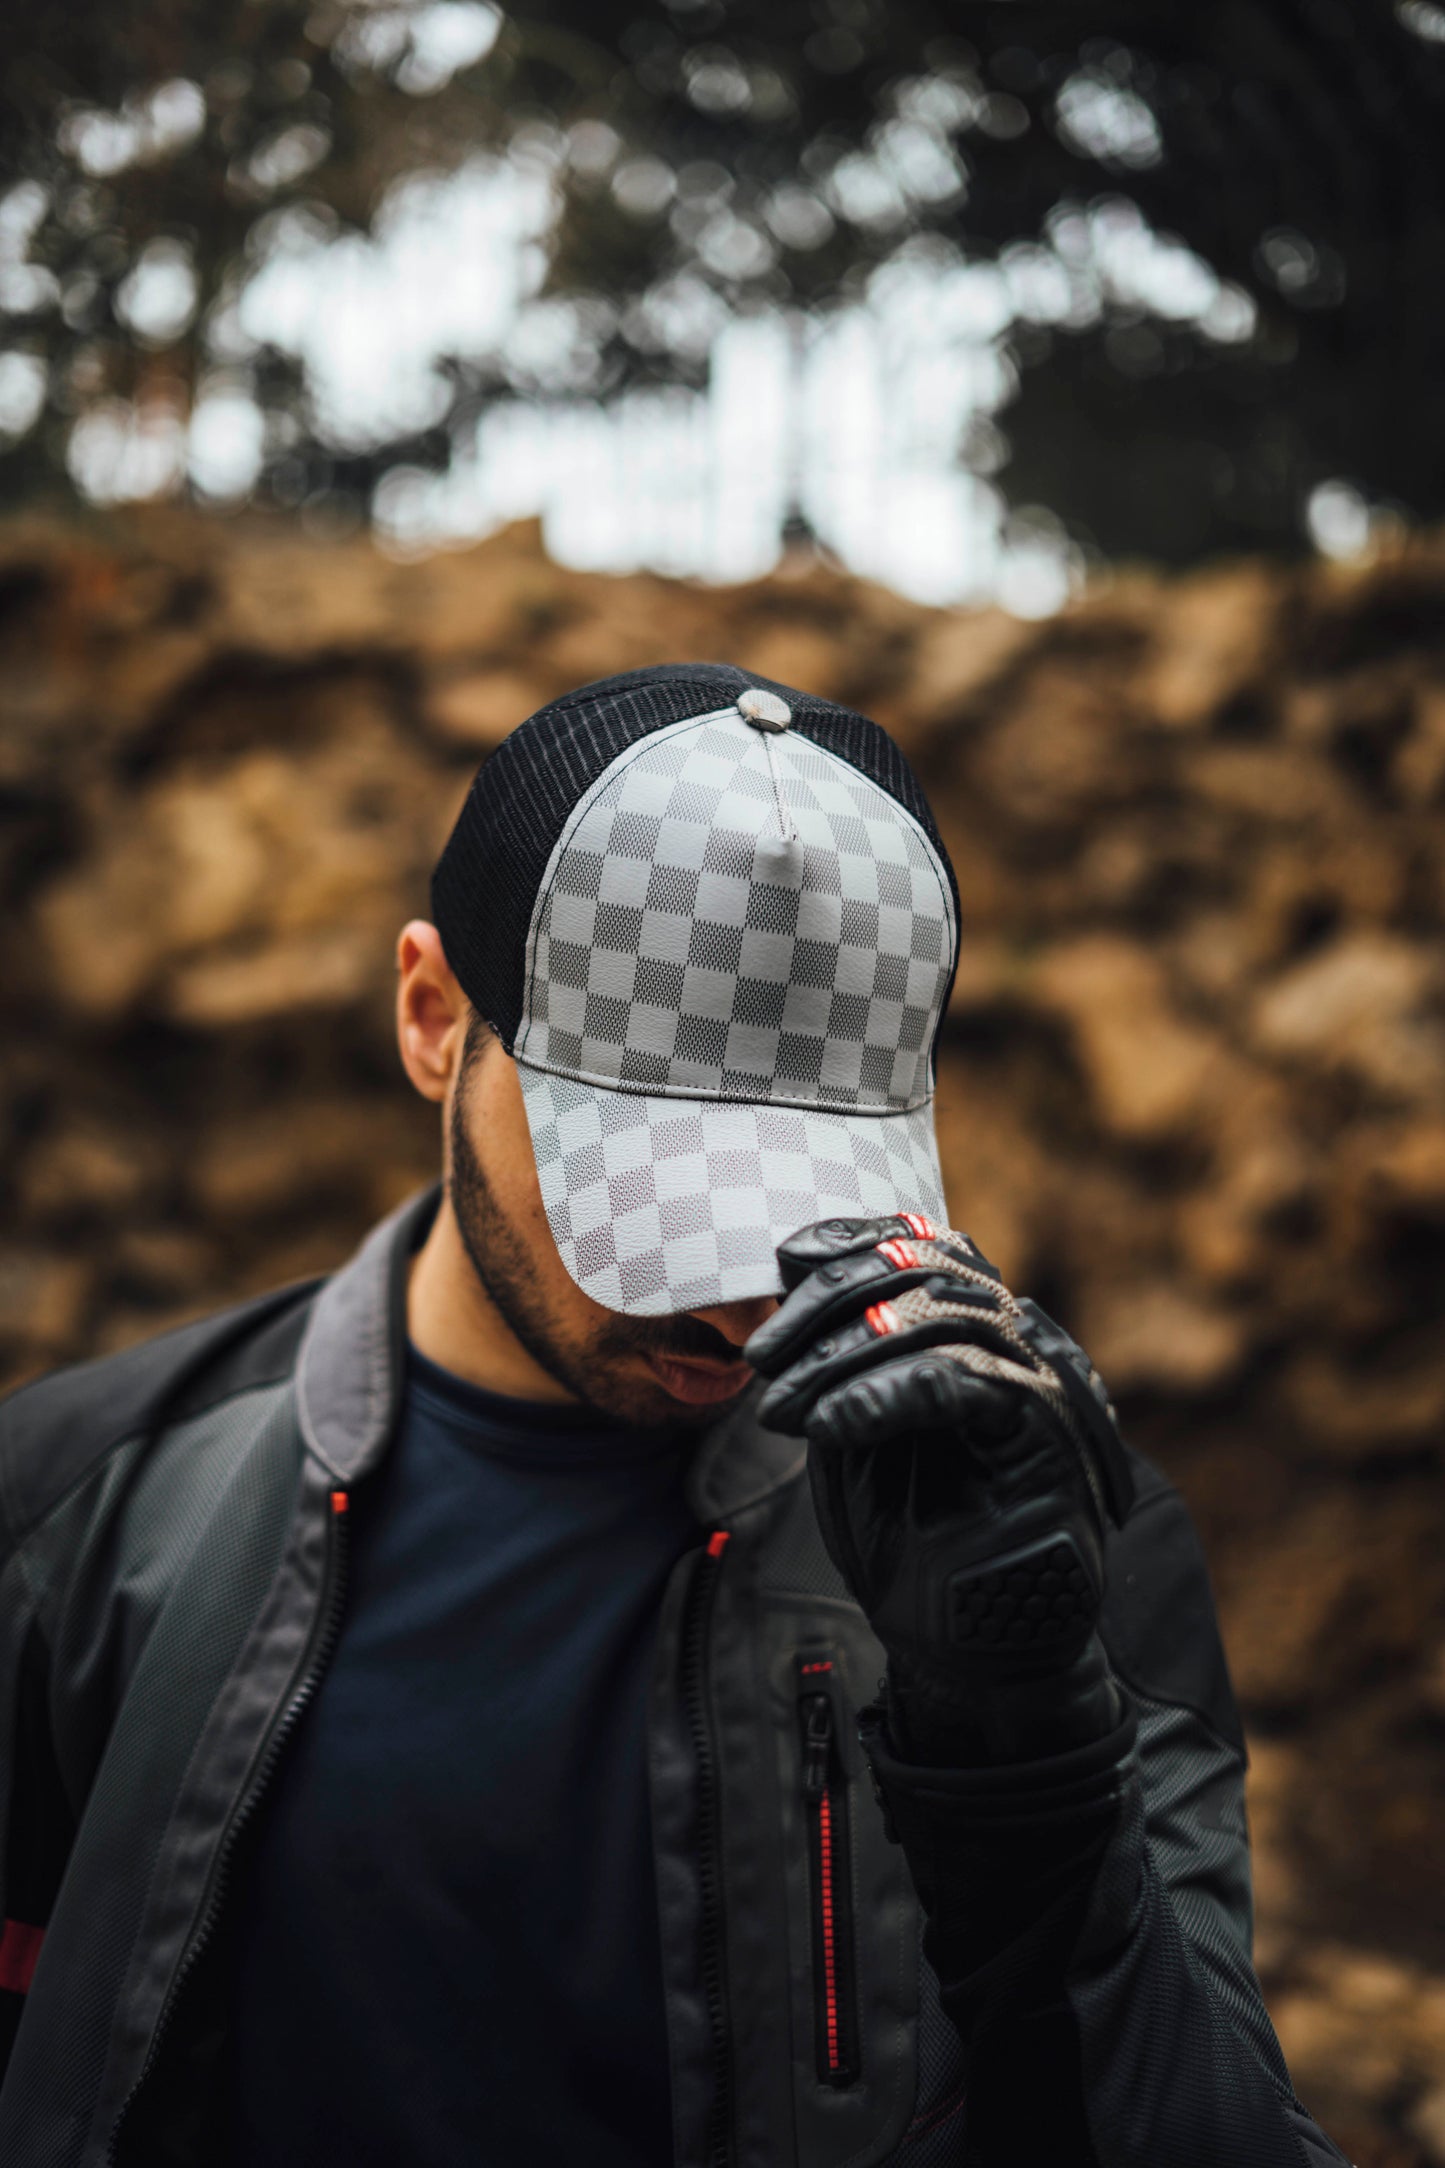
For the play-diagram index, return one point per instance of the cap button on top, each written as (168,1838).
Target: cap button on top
(765,711)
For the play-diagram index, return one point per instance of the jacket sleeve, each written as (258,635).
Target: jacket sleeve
(1089,1917)
(36,1824)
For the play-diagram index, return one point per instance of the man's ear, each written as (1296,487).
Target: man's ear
(432,1012)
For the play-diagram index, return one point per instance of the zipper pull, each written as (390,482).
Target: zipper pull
(817,1745)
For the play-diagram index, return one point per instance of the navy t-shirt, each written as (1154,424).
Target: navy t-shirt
(446,1946)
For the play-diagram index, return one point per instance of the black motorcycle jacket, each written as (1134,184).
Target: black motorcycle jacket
(863,1961)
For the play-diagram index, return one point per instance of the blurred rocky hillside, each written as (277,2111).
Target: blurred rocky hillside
(1194,1093)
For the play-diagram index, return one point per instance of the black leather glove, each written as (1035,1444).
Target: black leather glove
(964,1460)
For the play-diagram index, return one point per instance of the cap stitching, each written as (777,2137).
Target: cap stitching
(786,829)
(723,1099)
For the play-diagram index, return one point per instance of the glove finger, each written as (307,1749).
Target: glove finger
(952,1250)
(884,1332)
(823,1299)
(1064,1379)
(924,1394)
(826,1240)
(845,1289)
(1093,1412)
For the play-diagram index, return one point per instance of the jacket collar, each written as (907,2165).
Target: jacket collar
(353,1357)
(350,1368)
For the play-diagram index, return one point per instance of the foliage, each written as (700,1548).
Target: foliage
(1220,231)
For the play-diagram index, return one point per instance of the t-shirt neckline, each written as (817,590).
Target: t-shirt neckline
(560,1432)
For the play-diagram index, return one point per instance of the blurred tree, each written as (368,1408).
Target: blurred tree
(1220,231)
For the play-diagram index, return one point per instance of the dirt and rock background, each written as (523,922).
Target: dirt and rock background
(1193,1096)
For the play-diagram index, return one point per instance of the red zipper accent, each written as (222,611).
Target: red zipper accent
(718,1542)
(339,1501)
(830,1950)
(19,1952)
(825,1811)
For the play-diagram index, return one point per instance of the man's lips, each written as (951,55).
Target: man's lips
(698,1379)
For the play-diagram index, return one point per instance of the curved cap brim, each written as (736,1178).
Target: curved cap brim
(666,1204)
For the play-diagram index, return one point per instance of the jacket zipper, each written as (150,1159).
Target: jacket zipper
(830,1879)
(322,1647)
(702,1596)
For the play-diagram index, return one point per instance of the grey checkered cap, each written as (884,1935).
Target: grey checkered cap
(735,967)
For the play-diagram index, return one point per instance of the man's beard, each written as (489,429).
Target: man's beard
(593,1369)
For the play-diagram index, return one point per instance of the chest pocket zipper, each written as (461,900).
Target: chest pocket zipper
(830,1877)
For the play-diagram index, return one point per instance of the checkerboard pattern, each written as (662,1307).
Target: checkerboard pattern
(734,973)
(686,944)
(661,1204)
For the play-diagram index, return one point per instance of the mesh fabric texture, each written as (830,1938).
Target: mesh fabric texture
(934,2138)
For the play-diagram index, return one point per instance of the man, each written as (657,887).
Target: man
(431,1700)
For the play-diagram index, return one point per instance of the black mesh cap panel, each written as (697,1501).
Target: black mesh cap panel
(486,880)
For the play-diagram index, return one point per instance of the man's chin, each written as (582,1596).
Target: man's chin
(665,1392)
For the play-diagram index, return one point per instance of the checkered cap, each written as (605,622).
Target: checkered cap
(668,1204)
(737,959)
